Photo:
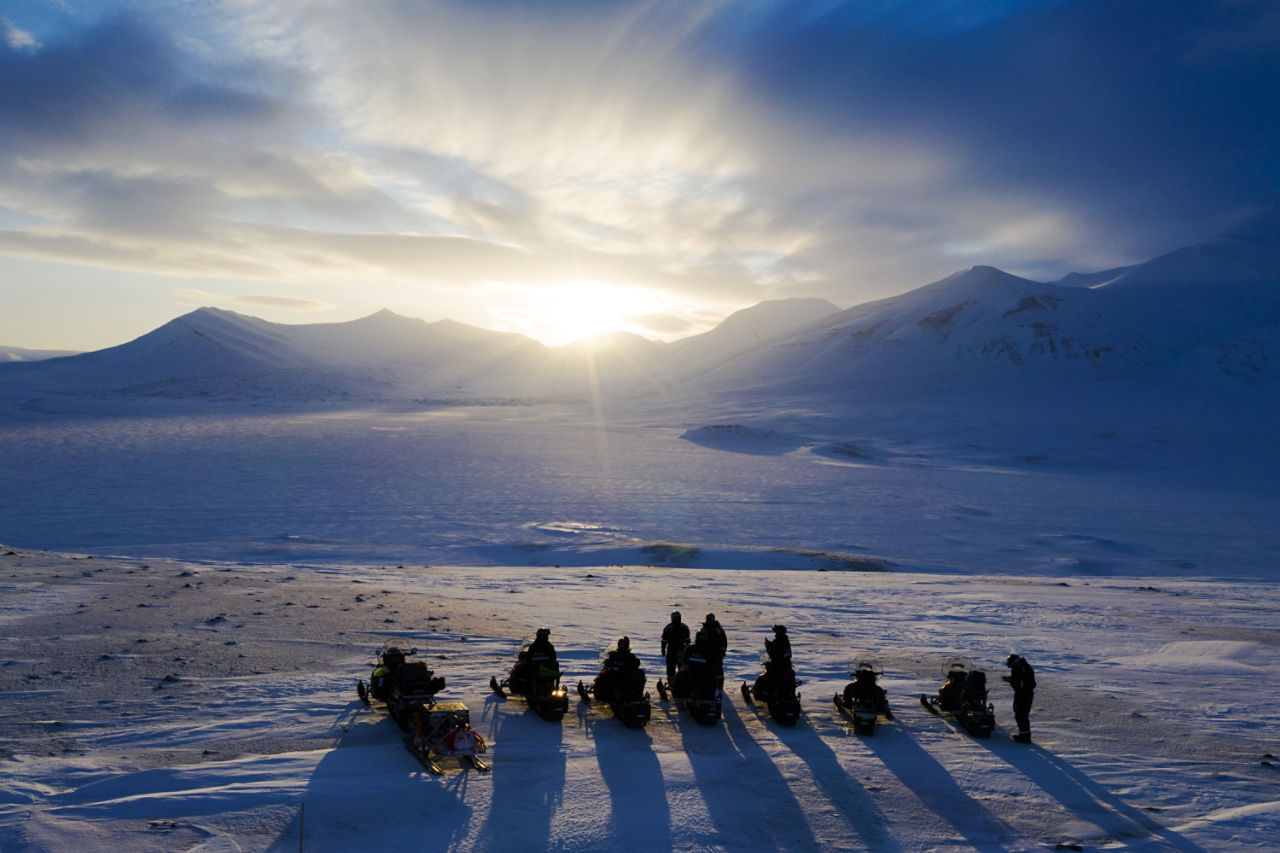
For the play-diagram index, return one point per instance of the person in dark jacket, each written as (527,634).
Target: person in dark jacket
(716,641)
(675,639)
(779,648)
(1023,680)
(621,672)
(538,658)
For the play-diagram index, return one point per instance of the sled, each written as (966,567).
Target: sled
(443,730)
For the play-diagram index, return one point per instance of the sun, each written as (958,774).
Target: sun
(571,312)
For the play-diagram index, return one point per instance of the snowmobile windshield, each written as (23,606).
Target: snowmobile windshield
(870,664)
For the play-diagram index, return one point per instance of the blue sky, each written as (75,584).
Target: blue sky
(561,168)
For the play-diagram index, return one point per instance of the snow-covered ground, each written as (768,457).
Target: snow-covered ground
(1003,491)
(159,705)
(237,513)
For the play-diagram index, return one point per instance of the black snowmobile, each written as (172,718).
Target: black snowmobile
(863,701)
(775,688)
(620,685)
(964,696)
(536,676)
(399,682)
(407,689)
(696,686)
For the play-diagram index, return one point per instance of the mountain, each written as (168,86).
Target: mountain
(745,330)
(213,354)
(982,327)
(1247,255)
(222,355)
(1205,314)
(23,354)
(1091,279)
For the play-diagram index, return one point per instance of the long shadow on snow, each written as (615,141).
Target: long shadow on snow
(830,776)
(369,791)
(1086,799)
(639,817)
(938,790)
(749,801)
(528,776)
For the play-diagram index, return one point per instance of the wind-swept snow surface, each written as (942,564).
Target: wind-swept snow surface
(159,706)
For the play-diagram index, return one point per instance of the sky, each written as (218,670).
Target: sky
(568,168)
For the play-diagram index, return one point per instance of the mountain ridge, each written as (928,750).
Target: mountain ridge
(1210,311)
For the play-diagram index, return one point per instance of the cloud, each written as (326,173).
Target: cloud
(260,300)
(16,38)
(718,153)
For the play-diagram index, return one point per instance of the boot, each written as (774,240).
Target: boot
(1022,737)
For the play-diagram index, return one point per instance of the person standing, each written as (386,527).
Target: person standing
(1023,680)
(717,642)
(712,638)
(675,639)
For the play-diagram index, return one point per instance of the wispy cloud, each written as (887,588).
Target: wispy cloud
(716,153)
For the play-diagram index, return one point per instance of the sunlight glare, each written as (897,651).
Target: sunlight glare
(580,310)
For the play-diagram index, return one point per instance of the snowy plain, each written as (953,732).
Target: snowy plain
(179,671)
(161,705)
(209,531)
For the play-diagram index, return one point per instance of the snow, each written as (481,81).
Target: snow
(224,713)
(238,513)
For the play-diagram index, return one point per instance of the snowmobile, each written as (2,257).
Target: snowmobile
(620,685)
(863,701)
(407,689)
(398,682)
(775,687)
(697,687)
(536,677)
(964,696)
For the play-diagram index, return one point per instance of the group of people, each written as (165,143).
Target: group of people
(708,645)
(696,659)
(694,666)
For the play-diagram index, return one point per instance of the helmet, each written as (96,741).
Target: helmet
(675,615)
(779,629)
(624,644)
(1011,660)
(543,633)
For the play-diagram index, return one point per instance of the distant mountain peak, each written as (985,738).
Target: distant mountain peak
(1262,229)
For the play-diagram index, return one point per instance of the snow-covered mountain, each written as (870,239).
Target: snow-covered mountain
(23,354)
(1208,313)
(222,355)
